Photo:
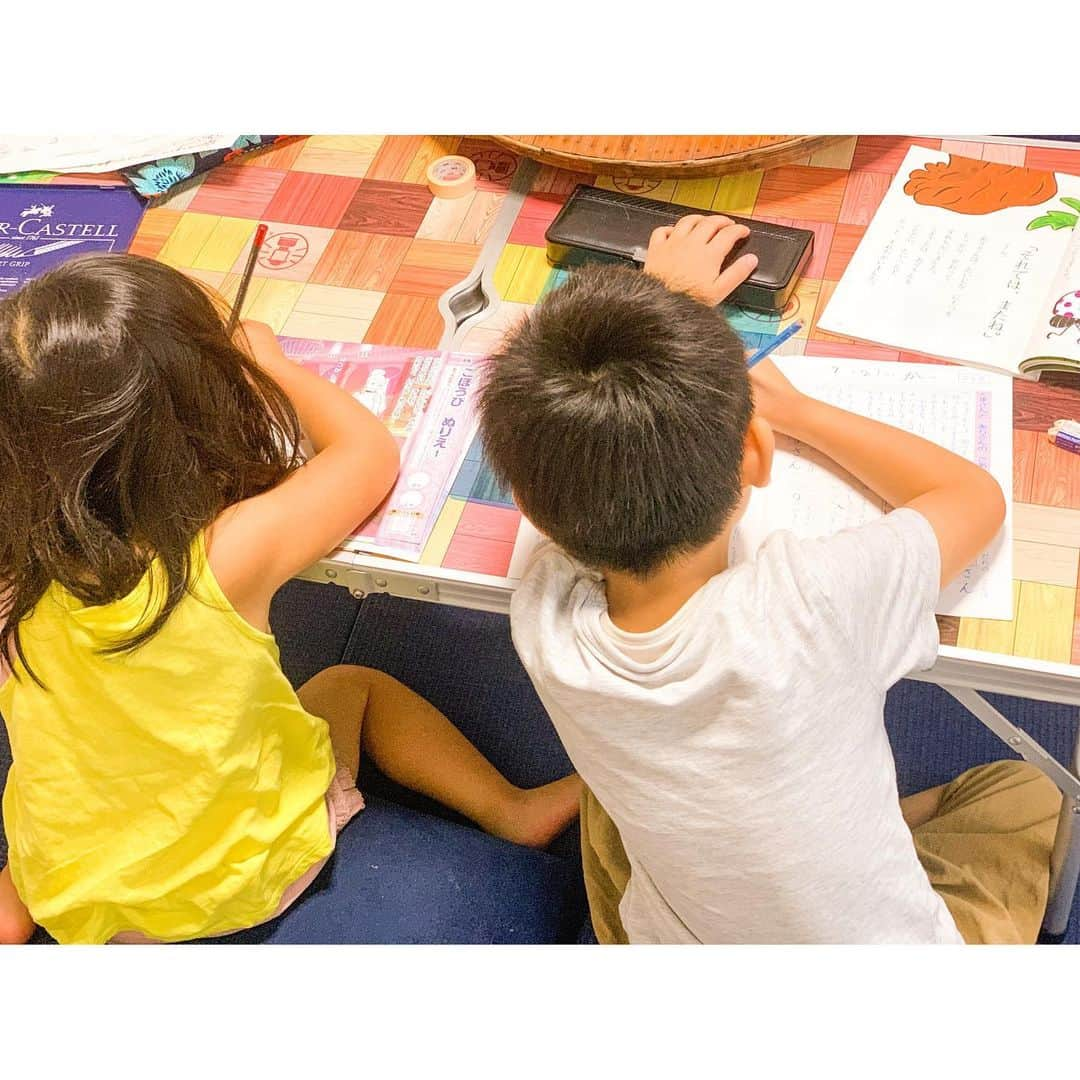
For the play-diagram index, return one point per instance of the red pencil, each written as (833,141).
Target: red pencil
(245,279)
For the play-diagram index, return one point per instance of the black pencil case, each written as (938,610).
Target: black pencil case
(597,225)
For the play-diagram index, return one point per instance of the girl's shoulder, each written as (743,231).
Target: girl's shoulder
(228,549)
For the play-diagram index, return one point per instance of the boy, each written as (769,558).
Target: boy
(729,719)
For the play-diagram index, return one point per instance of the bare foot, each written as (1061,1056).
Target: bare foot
(535,816)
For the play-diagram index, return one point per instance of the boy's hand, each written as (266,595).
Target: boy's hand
(775,399)
(687,257)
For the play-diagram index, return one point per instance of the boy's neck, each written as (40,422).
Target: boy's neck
(637,605)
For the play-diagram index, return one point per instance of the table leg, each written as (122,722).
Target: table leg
(1065,862)
(1064,870)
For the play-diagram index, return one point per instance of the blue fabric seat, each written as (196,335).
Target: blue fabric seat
(401,876)
(409,870)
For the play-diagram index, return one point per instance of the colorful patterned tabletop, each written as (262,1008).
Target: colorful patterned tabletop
(361,251)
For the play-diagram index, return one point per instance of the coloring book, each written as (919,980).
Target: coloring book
(972,260)
(41,225)
(968,412)
(427,400)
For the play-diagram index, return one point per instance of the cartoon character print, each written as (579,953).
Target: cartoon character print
(374,395)
(1066,314)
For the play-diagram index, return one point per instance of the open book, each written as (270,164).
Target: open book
(971,260)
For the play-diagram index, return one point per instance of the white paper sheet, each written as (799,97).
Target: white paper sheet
(98,153)
(525,543)
(967,286)
(966,411)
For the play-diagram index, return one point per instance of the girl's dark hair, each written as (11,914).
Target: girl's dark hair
(616,413)
(128,422)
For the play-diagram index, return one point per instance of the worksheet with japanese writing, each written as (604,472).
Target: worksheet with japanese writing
(960,261)
(427,399)
(966,411)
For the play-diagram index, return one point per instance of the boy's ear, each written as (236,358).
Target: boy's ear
(758,447)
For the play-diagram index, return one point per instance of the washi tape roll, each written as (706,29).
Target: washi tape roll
(1066,435)
(451,177)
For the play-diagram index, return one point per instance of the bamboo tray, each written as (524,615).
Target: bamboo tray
(665,155)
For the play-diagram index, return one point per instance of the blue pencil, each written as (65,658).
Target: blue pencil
(776,342)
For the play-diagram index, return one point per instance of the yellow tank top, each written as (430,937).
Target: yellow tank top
(176,790)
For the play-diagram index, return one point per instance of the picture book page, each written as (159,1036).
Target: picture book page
(958,260)
(1057,326)
(968,412)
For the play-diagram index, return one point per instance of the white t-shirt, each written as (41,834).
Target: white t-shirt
(740,748)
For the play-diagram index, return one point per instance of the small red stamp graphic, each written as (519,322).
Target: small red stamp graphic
(282,250)
(771,317)
(495,165)
(635,185)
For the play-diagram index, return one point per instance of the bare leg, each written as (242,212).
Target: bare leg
(341,700)
(919,808)
(16,926)
(415,745)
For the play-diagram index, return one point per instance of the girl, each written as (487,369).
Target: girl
(167,783)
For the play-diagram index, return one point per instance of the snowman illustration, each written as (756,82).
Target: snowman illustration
(374,394)
(1066,314)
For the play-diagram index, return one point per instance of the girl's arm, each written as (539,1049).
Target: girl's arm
(260,543)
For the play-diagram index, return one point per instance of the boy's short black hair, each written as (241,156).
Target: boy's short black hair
(616,413)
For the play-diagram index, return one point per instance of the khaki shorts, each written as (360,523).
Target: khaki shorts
(986,852)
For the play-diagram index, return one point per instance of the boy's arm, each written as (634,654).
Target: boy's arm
(262,542)
(962,502)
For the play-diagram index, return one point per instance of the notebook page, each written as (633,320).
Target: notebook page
(966,411)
